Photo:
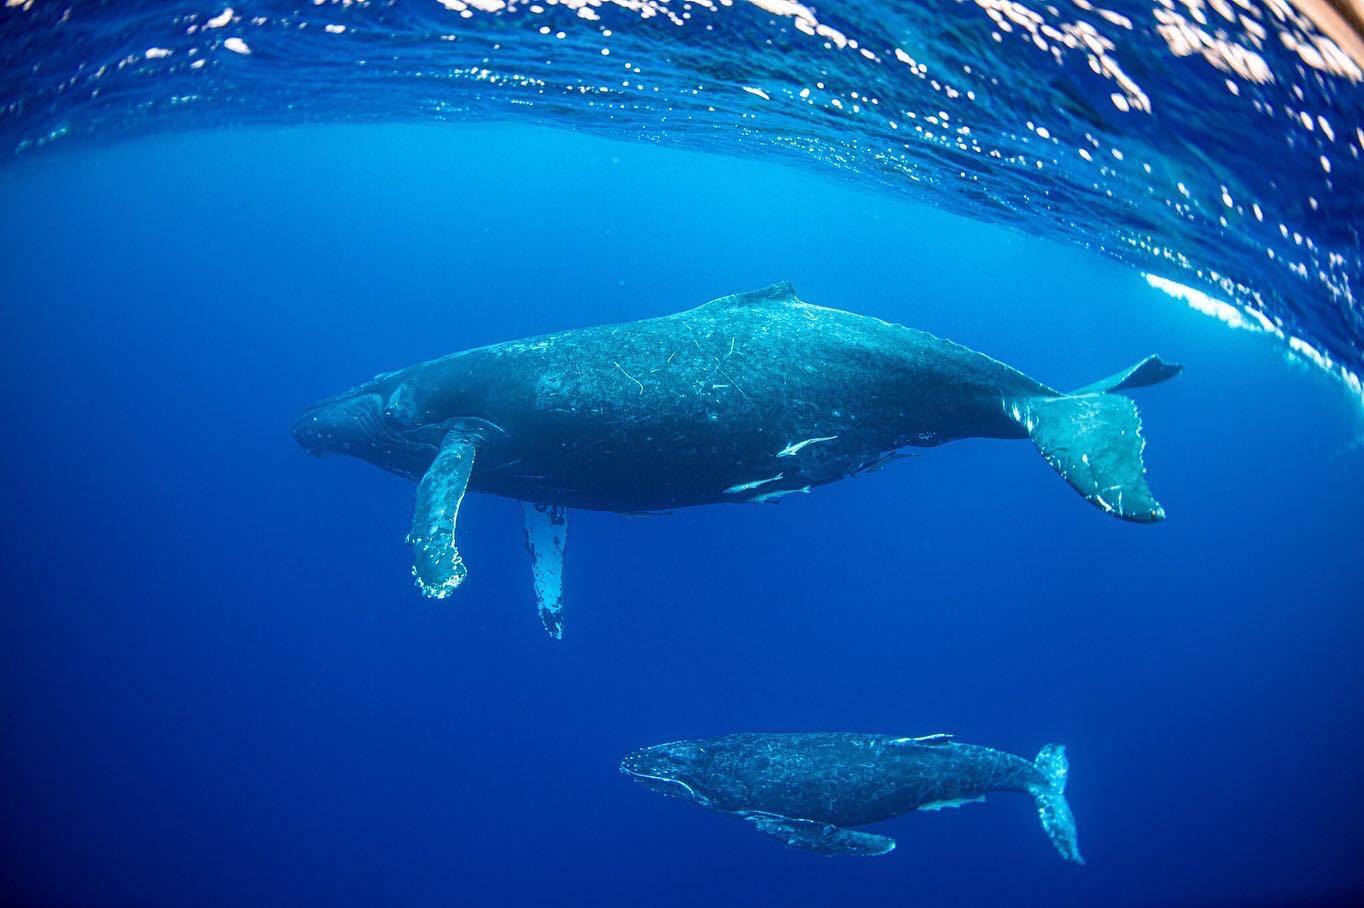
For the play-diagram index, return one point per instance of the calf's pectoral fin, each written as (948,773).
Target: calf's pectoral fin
(546,534)
(813,835)
(1094,441)
(435,560)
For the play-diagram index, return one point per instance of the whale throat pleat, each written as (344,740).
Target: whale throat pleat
(546,535)
(436,563)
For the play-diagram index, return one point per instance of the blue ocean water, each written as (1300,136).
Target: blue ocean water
(1213,143)
(219,686)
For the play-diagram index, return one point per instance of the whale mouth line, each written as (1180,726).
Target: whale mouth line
(644,775)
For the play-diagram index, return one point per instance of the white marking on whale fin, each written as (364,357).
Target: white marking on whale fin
(950,802)
(794,448)
(546,534)
(745,486)
(824,838)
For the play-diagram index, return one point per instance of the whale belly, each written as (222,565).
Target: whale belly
(684,438)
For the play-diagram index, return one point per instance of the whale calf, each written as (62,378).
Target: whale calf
(808,789)
(747,398)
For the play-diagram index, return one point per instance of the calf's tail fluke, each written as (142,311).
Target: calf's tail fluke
(1092,437)
(1052,808)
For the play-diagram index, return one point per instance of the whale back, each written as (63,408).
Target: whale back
(848,778)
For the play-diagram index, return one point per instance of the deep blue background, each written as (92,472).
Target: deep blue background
(218,685)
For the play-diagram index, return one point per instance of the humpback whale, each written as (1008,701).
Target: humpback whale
(747,398)
(808,789)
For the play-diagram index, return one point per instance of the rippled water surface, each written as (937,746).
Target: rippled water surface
(1215,146)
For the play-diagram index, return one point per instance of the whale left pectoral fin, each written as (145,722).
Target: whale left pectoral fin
(435,559)
(546,534)
(1094,441)
(824,838)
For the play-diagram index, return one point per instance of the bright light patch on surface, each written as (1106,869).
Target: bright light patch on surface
(1269,70)
(1254,320)
(1201,302)
(1303,348)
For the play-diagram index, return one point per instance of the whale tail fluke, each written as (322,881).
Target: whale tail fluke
(1052,808)
(1092,437)
(1094,442)
(1151,371)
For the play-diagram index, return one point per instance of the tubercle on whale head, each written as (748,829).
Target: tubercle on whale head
(353,424)
(334,425)
(673,769)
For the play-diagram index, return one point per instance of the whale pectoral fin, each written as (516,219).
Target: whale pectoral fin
(435,559)
(1094,441)
(824,838)
(546,534)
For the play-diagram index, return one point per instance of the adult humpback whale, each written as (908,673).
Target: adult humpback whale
(807,789)
(746,398)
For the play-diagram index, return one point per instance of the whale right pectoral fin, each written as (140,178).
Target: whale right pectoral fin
(435,560)
(1094,441)
(813,835)
(546,534)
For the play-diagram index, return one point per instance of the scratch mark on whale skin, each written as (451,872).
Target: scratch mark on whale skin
(629,376)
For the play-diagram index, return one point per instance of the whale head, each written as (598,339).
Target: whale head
(358,424)
(677,769)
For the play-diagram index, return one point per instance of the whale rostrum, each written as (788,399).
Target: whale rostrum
(748,398)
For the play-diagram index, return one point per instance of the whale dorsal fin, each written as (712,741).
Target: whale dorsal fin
(546,534)
(813,835)
(780,292)
(435,558)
